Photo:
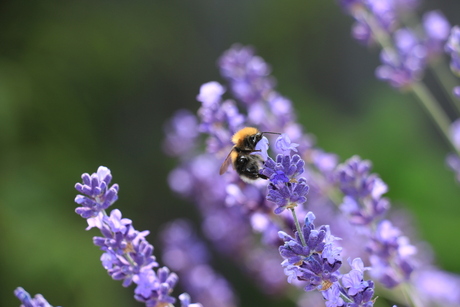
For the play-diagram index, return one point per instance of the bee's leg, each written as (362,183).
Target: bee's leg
(263,176)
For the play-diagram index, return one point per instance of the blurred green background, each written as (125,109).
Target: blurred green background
(89,83)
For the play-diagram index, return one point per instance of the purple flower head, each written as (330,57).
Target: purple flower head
(181,133)
(248,74)
(286,167)
(391,255)
(384,11)
(283,145)
(437,30)
(98,196)
(316,262)
(456,91)
(210,94)
(453,48)
(363,191)
(353,281)
(185,301)
(289,195)
(437,287)
(262,148)
(361,31)
(155,289)
(218,119)
(405,65)
(28,301)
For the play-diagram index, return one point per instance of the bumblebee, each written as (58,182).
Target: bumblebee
(244,162)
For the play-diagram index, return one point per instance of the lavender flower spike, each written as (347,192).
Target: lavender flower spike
(98,196)
(317,262)
(127,254)
(28,301)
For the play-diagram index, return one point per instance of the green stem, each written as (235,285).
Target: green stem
(447,80)
(410,296)
(434,110)
(297,226)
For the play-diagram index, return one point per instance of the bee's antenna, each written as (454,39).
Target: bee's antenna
(271,133)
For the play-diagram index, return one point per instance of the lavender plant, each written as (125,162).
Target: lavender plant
(252,224)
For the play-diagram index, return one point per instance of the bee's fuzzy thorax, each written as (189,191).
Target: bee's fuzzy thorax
(240,135)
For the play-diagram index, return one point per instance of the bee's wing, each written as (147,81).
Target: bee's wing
(227,161)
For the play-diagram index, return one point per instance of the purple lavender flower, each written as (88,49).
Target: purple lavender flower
(353,291)
(391,255)
(182,131)
(249,74)
(456,91)
(28,301)
(453,48)
(437,287)
(403,65)
(362,191)
(186,302)
(437,30)
(284,145)
(361,31)
(289,195)
(317,262)
(285,169)
(98,195)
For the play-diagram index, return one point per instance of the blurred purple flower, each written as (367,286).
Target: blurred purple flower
(456,91)
(363,191)
(391,255)
(248,74)
(28,301)
(405,64)
(453,48)
(181,133)
(437,30)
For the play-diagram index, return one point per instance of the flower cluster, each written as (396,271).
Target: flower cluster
(311,256)
(404,62)
(354,292)
(127,254)
(285,190)
(391,255)
(363,191)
